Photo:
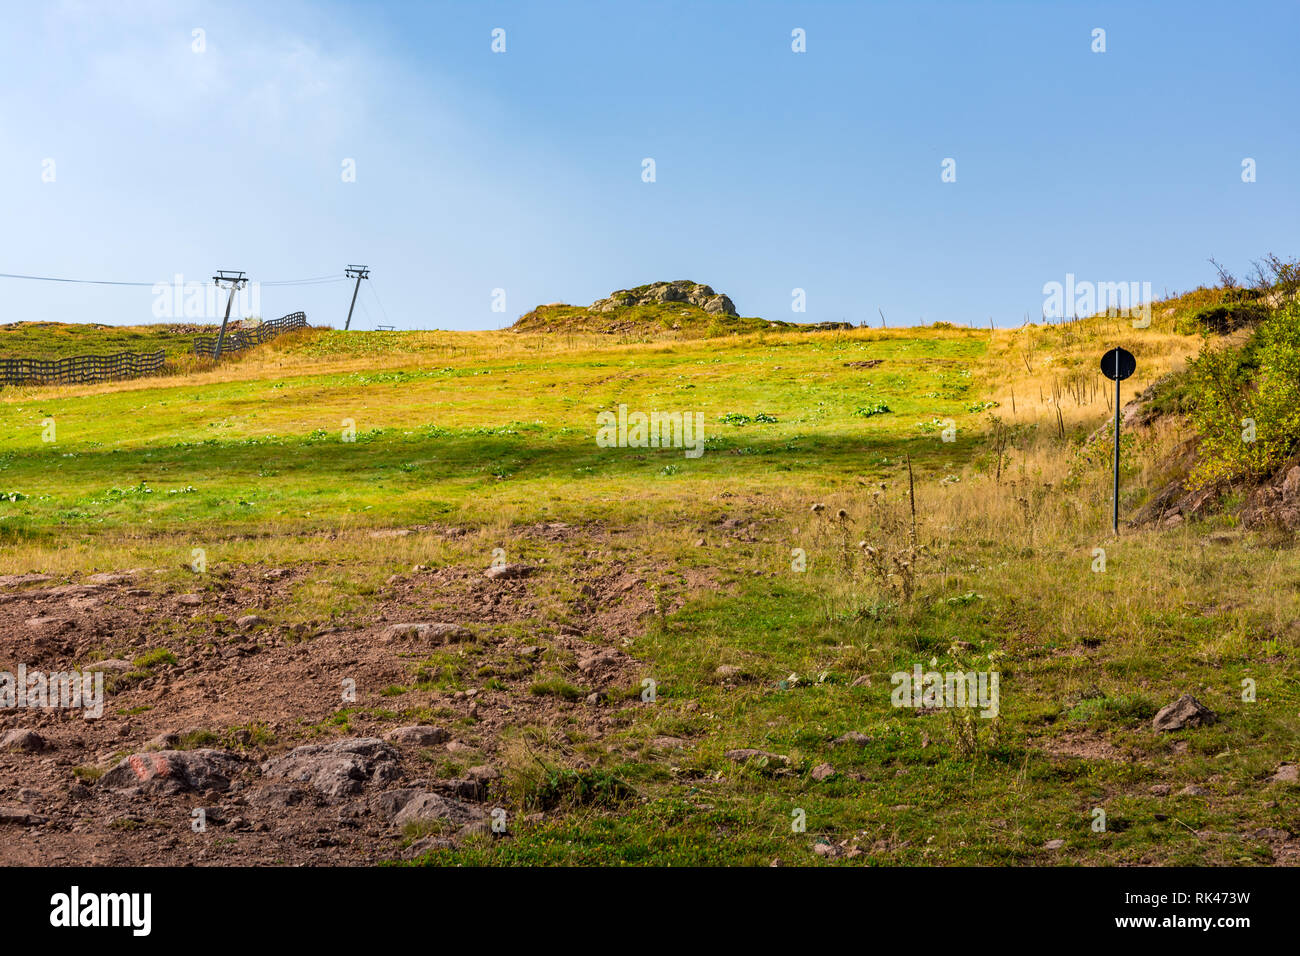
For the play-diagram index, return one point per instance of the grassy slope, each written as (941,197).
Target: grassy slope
(641,322)
(493,431)
(49,340)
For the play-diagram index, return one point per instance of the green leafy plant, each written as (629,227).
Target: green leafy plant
(1259,384)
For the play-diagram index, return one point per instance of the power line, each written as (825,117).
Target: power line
(381,304)
(316,280)
(10,275)
(321,280)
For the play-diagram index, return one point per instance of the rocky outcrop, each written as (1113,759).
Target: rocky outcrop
(682,290)
(1276,502)
(339,769)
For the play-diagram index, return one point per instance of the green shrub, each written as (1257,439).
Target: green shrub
(1228,316)
(1257,383)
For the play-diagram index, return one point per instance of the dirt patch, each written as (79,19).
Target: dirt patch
(209,671)
(1080,745)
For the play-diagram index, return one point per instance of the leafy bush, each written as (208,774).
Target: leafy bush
(1228,316)
(1259,384)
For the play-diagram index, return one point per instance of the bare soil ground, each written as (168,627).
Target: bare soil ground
(201,701)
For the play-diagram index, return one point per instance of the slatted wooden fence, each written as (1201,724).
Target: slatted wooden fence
(241,339)
(77,369)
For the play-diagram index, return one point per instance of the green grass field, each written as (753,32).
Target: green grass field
(53,340)
(495,432)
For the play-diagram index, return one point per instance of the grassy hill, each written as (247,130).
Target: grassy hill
(688,572)
(52,340)
(656,320)
(662,310)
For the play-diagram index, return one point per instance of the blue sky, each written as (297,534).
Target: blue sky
(522,170)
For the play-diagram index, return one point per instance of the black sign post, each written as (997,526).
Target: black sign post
(1117,364)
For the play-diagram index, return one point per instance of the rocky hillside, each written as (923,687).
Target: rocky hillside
(679,309)
(658,293)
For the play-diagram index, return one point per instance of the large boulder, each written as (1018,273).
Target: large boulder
(173,771)
(719,305)
(339,769)
(658,293)
(427,807)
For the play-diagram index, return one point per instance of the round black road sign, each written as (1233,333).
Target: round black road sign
(1118,364)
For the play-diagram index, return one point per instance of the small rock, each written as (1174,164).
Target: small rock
(1053,844)
(1160,790)
(852,737)
(14,580)
(190,600)
(1192,790)
(1186,711)
(744,755)
(1271,835)
(1286,773)
(506,572)
(279,796)
(428,845)
(28,741)
(46,623)
(20,817)
(600,660)
(427,631)
(418,736)
(823,771)
(113,577)
(249,621)
(474,828)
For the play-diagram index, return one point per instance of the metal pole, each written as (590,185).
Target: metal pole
(221,338)
(1115,518)
(355,290)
